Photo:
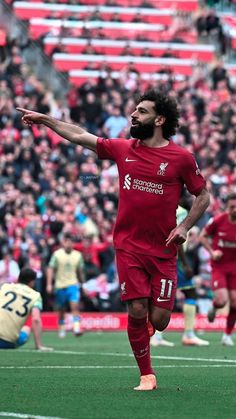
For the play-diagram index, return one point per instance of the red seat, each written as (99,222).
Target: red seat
(187,5)
(28,10)
(76,46)
(78,77)
(111,30)
(66,62)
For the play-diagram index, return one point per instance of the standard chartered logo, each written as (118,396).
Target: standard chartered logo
(127,182)
(142,185)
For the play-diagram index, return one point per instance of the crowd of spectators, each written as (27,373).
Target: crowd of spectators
(49,186)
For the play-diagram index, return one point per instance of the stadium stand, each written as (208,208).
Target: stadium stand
(113,47)
(38,172)
(177,4)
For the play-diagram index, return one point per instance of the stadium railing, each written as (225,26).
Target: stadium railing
(184,5)
(66,62)
(113,47)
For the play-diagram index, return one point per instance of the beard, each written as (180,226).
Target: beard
(142,131)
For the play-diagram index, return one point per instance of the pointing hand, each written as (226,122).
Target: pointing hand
(31,117)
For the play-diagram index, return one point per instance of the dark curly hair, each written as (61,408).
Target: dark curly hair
(166,106)
(26,275)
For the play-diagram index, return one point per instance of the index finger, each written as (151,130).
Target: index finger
(170,239)
(23,110)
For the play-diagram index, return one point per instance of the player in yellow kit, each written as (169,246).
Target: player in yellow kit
(66,267)
(17,302)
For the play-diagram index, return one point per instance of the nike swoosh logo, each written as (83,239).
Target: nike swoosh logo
(162,299)
(127,159)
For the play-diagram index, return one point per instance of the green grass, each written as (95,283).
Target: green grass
(93,377)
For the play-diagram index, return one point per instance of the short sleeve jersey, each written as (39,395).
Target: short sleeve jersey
(16,303)
(151,181)
(65,266)
(223,234)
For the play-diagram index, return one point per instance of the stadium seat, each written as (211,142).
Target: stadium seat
(27,10)
(185,5)
(79,77)
(66,62)
(39,27)
(112,47)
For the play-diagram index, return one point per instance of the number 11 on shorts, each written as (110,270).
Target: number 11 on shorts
(166,288)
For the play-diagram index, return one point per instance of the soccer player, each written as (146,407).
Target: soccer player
(66,265)
(17,302)
(152,171)
(219,238)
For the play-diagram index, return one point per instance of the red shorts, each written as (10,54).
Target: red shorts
(223,277)
(144,276)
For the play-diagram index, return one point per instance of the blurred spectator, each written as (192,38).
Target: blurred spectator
(169,53)
(95,16)
(91,112)
(89,49)
(115,17)
(128,50)
(75,17)
(91,270)
(92,247)
(110,3)
(138,18)
(146,52)
(9,268)
(146,3)
(218,74)
(99,291)
(115,123)
(59,48)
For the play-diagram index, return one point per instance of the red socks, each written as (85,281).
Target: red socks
(140,343)
(231,320)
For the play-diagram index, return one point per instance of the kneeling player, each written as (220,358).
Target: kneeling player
(17,302)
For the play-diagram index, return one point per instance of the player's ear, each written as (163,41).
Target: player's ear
(160,120)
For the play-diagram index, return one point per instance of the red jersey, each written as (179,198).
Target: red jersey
(223,233)
(151,181)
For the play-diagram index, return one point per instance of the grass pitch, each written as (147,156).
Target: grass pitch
(93,377)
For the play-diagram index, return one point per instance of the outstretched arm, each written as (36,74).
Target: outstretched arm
(200,204)
(70,132)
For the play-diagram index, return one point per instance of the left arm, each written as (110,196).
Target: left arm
(36,327)
(179,234)
(37,330)
(80,275)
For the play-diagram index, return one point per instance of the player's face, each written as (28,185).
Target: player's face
(143,120)
(68,245)
(232,209)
